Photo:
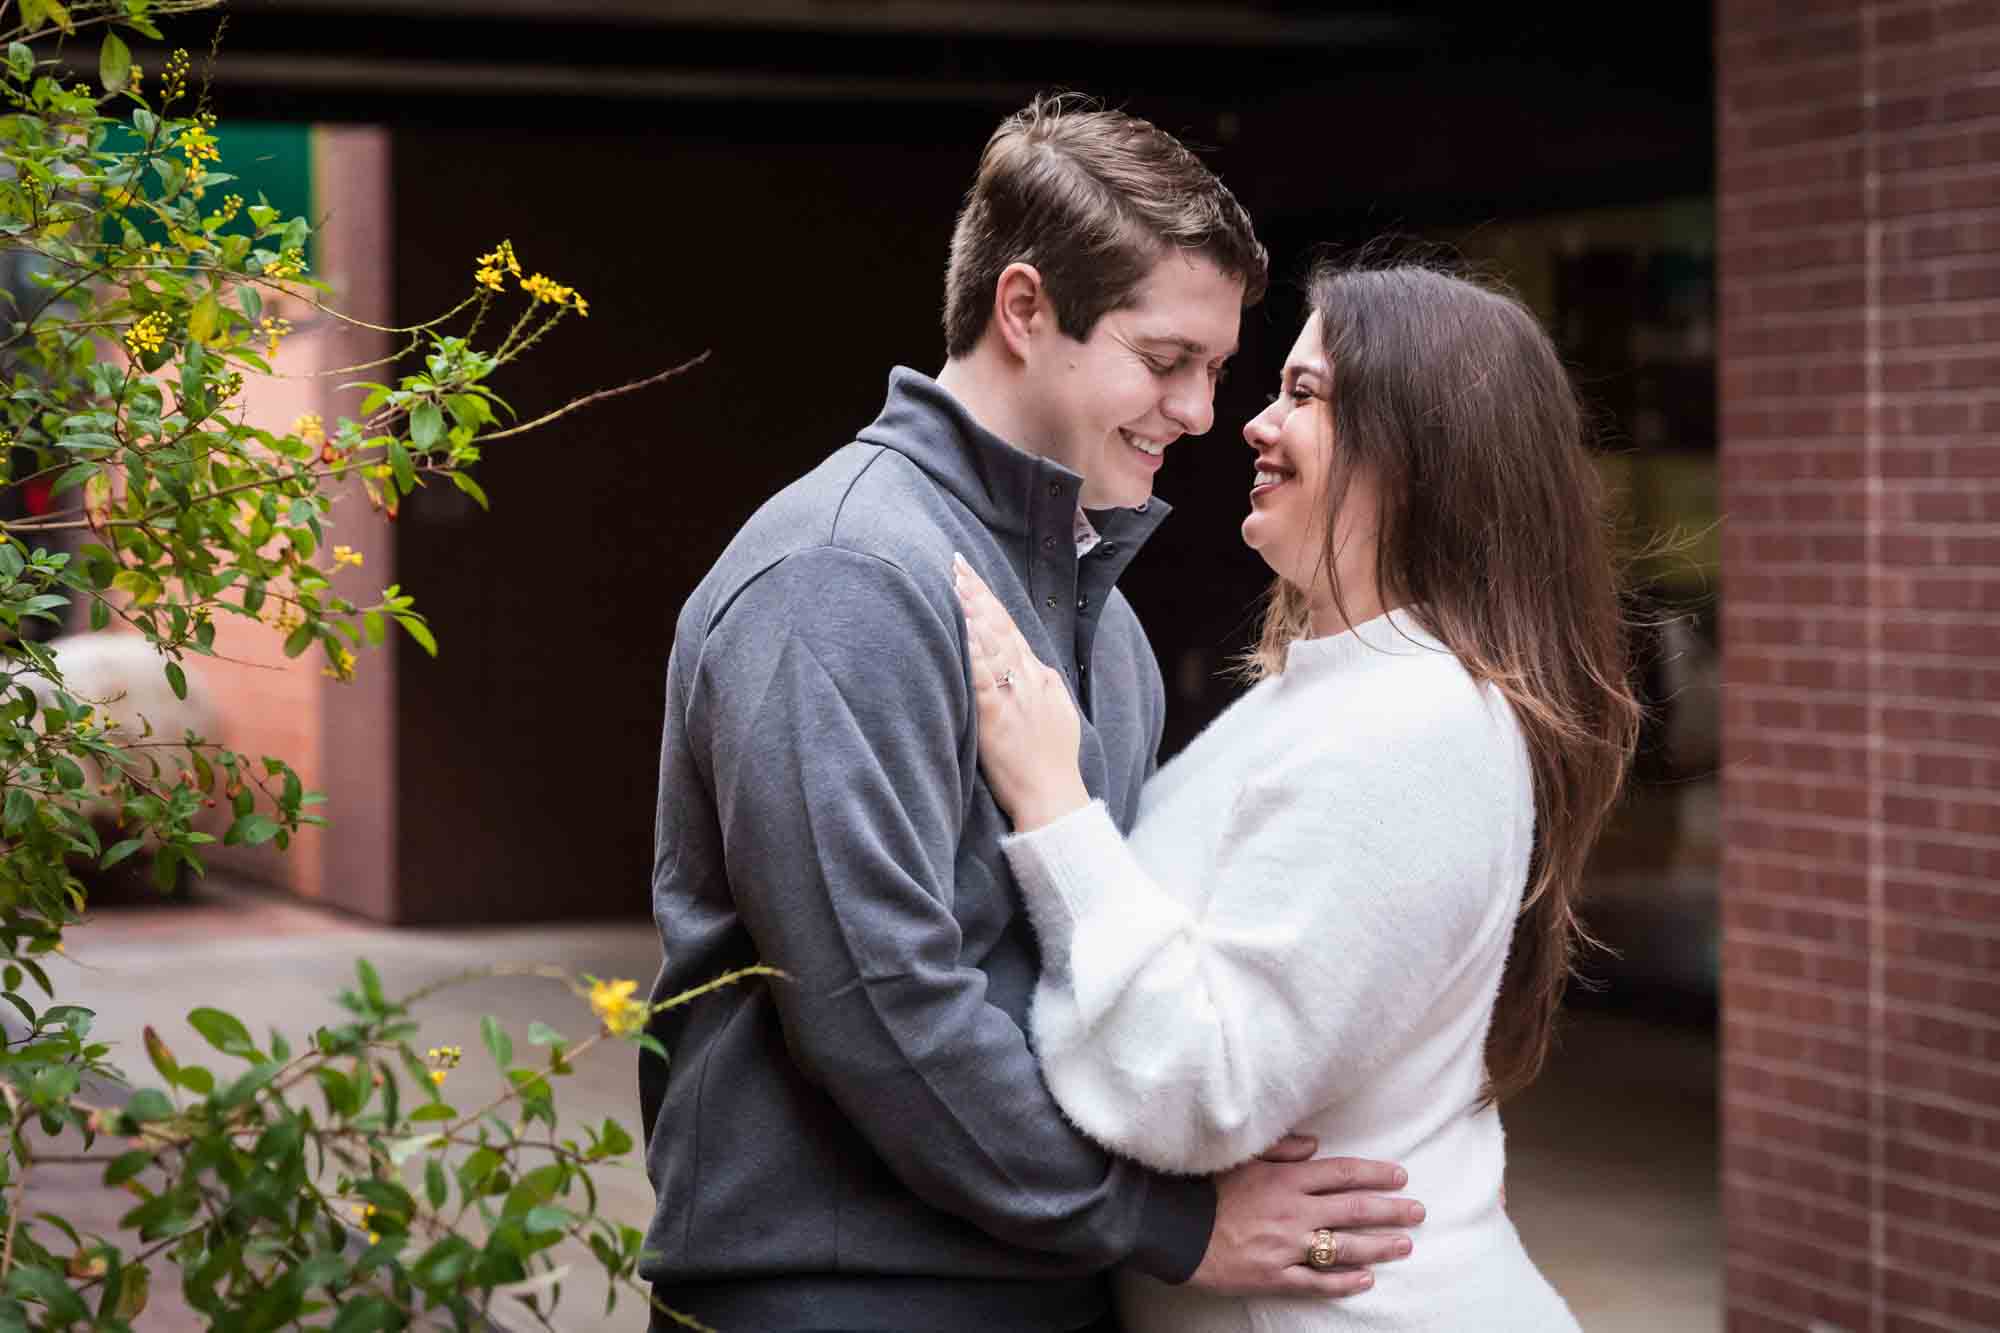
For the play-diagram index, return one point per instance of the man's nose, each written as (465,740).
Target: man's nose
(1192,407)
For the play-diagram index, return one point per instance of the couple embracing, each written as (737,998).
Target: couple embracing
(1072,1039)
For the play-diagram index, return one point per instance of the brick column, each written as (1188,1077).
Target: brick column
(1859,223)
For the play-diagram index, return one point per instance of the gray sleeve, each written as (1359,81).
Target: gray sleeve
(831,705)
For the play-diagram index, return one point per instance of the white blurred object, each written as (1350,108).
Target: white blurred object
(123,677)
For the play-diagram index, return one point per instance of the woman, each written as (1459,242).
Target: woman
(1346,907)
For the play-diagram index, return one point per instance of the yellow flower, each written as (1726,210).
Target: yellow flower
(614,1005)
(343,665)
(288,265)
(490,265)
(346,555)
(271,330)
(310,428)
(437,1077)
(583,307)
(148,335)
(198,145)
(176,76)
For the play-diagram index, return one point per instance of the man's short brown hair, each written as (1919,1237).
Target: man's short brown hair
(1093,199)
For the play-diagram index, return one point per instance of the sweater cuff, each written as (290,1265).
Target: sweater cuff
(1175,1230)
(1062,865)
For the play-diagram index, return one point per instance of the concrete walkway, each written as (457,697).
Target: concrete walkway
(1612,1176)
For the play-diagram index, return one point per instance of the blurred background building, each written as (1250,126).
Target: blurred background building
(1767,237)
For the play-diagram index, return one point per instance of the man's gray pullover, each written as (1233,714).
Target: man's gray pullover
(870,1144)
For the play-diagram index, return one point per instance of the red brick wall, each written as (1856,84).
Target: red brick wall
(1859,215)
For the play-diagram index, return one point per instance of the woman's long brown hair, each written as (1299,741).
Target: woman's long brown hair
(1491,529)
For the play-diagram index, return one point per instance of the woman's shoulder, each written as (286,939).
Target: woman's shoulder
(1422,714)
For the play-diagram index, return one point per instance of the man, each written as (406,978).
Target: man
(868,1144)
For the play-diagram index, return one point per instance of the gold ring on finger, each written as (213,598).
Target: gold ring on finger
(1324,1251)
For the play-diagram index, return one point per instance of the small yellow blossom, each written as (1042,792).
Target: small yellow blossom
(283,617)
(310,428)
(232,204)
(271,329)
(548,289)
(176,76)
(147,335)
(343,665)
(289,265)
(501,256)
(437,1077)
(489,278)
(614,1005)
(136,79)
(346,555)
(198,146)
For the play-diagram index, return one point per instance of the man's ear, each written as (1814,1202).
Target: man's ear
(1019,307)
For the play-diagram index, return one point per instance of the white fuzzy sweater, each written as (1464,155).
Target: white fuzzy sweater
(1306,931)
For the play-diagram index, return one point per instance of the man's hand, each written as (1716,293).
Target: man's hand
(1266,1212)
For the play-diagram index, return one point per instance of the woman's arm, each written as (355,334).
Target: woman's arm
(1351,882)
(1191,1030)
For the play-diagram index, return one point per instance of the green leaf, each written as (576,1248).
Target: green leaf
(498,1044)
(300,639)
(19,809)
(224,1031)
(114,63)
(247,1086)
(546,1218)
(205,319)
(27,1010)
(444,1263)
(119,851)
(367,1313)
(371,984)
(177,680)
(471,488)
(252,830)
(435,1188)
(426,425)
(134,1285)
(420,632)
(613,1139)
(403,1149)
(161,1055)
(433,1111)
(148,1105)
(196,1080)
(37,12)
(127,1165)
(34,1283)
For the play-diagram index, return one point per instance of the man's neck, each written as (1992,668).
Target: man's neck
(988,396)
